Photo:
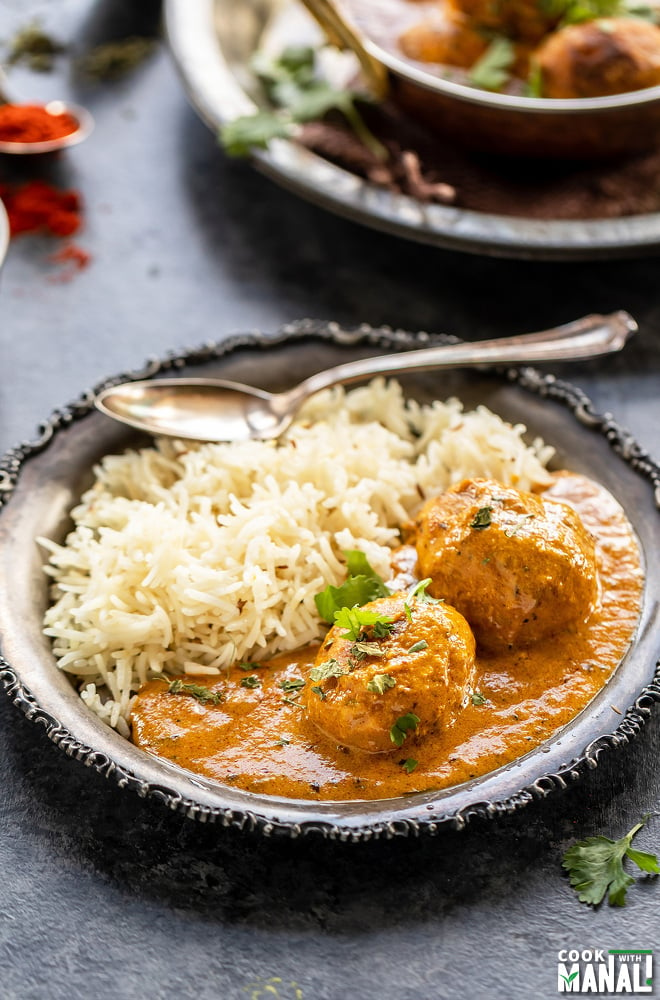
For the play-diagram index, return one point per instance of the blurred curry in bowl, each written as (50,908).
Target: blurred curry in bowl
(555,78)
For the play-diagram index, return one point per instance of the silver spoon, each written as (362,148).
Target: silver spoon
(55,108)
(205,409)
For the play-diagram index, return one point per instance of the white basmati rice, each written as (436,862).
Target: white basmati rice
(186,557)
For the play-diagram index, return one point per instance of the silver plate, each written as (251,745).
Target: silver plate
(40,481)
(212,42)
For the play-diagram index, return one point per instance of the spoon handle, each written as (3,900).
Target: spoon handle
(589,337)
(342,35)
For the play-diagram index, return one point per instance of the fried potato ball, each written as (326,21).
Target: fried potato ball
(452,41)
(520,20)
(422,668)
(608,56)
(518,566)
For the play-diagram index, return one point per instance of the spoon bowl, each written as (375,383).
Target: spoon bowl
(55,108)
(217,410)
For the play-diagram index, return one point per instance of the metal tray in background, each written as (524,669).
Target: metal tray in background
(212,42)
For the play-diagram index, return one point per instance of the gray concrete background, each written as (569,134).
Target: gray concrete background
(105,896)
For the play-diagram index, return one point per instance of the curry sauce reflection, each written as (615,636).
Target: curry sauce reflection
(260,736)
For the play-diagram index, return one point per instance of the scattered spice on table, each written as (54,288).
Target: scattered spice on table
(37,206)
(35,47)
(73,258)
(33,123)
(115,59)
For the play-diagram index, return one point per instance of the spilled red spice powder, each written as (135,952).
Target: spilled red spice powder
(38,206)
(74,259)
(33,123)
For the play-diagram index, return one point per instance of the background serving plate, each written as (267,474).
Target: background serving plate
(41,480)
(212,42)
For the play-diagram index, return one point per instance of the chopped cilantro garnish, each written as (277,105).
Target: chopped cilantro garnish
(418,593)
(246,665)
(361,649)
(380,683)
(362,586)
(402,726)
(295,684)
(417,647)
(408,765)
(522,521)
(595,867)
(482,519)
(197,691)
(319,692)
(492,70)
(331,668)
(282,743)
(353,620)
(478,698)
(250,682)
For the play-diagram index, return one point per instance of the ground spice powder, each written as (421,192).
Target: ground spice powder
(33,123)
(38,206)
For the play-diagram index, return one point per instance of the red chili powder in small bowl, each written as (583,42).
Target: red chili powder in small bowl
(34,123)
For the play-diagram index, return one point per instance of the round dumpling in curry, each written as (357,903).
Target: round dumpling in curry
(519,567)
(407,674)
(606,56)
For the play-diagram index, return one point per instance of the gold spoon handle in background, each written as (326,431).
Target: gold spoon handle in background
(341,34)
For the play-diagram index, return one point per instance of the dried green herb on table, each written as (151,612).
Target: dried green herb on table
(34,47)
(116,59)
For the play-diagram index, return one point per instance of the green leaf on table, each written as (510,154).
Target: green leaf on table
(595,867)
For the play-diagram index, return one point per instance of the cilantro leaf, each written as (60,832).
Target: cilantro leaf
(478,698)
(331,668)
(293,86)
(357,564)
(402,726)
(197,691)
(357,590)
(353,620)
(492,70)
(380,683)
(250,682)
(249,132)
(294,684)
(361,649)
(362,585)
(418,592)
(409,765)
(417,647)
(595,867)
(482,519)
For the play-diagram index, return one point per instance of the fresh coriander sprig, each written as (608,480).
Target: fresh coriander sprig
(362,585)
(299,95)
(595,867)
(354,620)
(493,69)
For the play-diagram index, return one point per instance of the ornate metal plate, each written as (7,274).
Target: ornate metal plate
(212,42)
(42,479)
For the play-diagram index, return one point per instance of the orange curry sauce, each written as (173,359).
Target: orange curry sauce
(260,739)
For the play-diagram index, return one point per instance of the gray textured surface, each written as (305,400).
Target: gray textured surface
(104,896)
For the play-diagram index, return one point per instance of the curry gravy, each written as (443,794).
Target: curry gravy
(260,739)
